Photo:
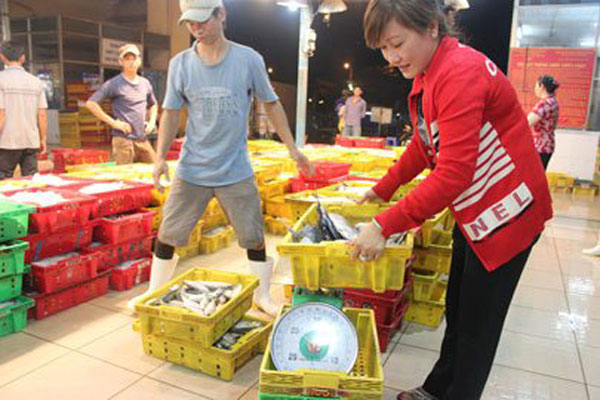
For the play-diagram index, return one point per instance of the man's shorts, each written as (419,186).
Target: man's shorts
(187,202)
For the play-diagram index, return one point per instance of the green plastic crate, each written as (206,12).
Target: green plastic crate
(14,219)
(334,297)
(12,285)
(267,396)
(12,258)
(13,318)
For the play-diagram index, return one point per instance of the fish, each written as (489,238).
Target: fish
(343,227)
(202,297)
(233,335)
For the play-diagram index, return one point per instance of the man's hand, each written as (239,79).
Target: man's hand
(122,126)
(160,168)
(43,147)
(370,196)
(369,244)
(302,162)
(150,126)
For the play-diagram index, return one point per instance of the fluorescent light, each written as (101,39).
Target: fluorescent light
(293,5)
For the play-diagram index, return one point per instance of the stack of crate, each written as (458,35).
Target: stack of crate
(216,233)
(14,222)
(77,94)
(431,266)
(61,275)
(188,338)
(92,131)
(122,236)
(69,129)
(275,189)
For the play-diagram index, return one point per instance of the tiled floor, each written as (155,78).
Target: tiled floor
(550,348)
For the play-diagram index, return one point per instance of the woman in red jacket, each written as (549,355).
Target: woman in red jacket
(471,131)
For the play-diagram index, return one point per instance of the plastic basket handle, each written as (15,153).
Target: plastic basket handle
(321,380)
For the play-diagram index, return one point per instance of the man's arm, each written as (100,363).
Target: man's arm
(152,114)
(169,122)
(104,117)
(2,118)
(277,116)
(42,117)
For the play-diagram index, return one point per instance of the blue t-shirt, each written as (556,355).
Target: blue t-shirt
(218,98)
(130,102)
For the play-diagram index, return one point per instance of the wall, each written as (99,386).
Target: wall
(575,153)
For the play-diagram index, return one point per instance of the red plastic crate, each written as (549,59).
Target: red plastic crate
(299,184)
(110,255)
(56,273)
(325,171)
(75,211)
(64,157)
(385,305)
(372,143)
(53,303)
(133,197)
(130,274)
(386,332)
(177,144)
(124,227)
(172,155)
(42,156)
(43,245)
(344,141)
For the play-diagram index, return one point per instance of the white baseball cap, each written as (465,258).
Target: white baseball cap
(197,10)
(129,48)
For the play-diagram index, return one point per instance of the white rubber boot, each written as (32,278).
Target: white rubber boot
(262,296)
(161,273)
(594,251)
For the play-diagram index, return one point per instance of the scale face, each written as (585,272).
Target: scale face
(314,336)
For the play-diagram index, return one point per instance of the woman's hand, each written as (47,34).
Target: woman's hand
(370,195)
(369,244)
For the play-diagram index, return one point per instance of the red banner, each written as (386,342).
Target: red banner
(573,68)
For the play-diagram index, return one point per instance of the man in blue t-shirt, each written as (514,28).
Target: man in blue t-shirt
(216,80)
(131,96)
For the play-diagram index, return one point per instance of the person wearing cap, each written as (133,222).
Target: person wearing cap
(131,96)
(216,80)
(23,118)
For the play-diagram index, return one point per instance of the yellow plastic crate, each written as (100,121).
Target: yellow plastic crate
(189,251)
(364,382)
(157,216)
(363,163)
(351,189)
(584,191)
(179,323)
(278,226)
(425,233)
(424,282)
(429,313)
(273,188)
(8,185)
(277,207)
(265,171)
(212,361)
(213,243)
(158,198)
(300,202)
(328,264)
(438,256)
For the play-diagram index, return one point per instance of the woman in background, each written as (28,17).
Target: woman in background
(544,117)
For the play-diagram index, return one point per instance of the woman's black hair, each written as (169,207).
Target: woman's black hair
(549,83)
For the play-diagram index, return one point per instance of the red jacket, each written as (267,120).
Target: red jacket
(484,165)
